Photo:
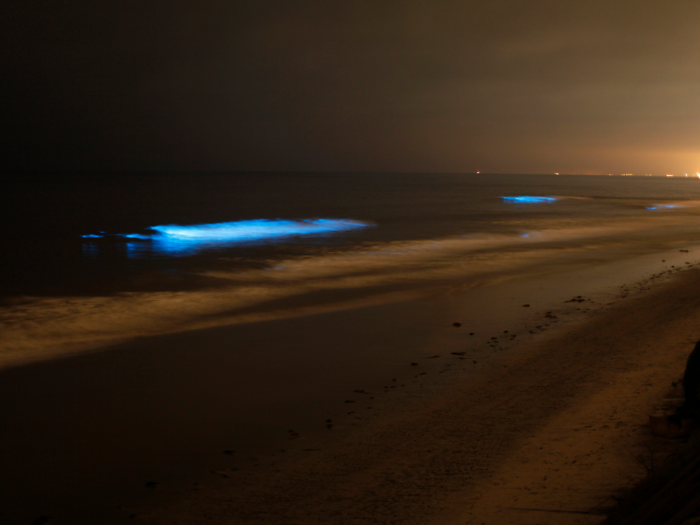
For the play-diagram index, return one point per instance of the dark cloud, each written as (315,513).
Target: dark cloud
(538,86)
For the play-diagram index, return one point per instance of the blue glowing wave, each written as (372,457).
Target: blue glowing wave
(661,206)
(176,240)
(527,199)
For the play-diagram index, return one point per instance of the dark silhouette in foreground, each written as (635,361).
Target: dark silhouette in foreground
(691,381)
(669,495)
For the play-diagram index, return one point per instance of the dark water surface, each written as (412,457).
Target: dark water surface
(44,217)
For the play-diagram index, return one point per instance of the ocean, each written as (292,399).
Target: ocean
(92,259)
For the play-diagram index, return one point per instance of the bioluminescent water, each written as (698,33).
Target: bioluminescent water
(175,240)
(662,206)
(523,199)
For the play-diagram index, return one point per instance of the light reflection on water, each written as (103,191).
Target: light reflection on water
(174,240)
(90,250)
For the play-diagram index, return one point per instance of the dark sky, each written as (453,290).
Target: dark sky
(530,86)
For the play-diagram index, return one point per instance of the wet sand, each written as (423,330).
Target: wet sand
(550,436)
(536,417)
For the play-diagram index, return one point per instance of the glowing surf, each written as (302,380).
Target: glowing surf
(526,199)
(174,239)
(662,207)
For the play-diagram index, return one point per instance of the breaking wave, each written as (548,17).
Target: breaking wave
(176,240)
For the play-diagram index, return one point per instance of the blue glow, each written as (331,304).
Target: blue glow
(661,206)
(252,230)
(137,250)
(528,199)
(174,240)
(90,251)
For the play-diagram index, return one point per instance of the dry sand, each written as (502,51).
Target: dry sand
(554,429)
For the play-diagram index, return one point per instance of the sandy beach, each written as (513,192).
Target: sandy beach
(550,435)
(361,263)
(540,417)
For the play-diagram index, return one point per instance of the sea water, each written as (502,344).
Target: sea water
(95,258)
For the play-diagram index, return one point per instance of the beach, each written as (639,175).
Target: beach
(539,417)
(467,338)
(549,436)
(368,263)
(314,263)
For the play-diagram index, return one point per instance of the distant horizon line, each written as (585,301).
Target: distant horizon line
(319,172)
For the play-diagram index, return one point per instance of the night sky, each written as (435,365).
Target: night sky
(594,86)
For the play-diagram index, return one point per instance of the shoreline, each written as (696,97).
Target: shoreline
(413,444)
(40,328)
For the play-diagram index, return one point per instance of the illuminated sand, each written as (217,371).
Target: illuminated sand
(547,436)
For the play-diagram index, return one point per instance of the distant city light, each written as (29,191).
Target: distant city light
(174,240)
(528,199)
